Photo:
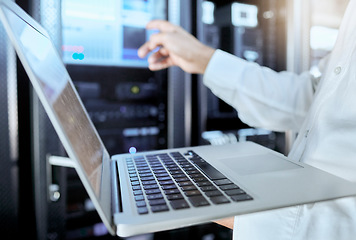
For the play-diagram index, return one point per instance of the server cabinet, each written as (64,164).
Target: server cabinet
(252,30)
(9,171)
(49,182)
(132,108)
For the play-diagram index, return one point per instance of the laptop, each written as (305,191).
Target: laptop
(166,189)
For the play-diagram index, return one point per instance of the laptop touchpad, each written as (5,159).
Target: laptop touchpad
(258,164)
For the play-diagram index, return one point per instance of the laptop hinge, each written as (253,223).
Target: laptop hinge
(116,193)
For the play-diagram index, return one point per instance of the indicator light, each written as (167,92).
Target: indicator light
(132,150)
(135,89)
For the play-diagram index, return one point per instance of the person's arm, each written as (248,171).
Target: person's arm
(263,98)
(173,46)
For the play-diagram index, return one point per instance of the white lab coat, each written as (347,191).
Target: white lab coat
(324,114)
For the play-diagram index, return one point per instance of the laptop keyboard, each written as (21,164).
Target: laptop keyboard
(162,180)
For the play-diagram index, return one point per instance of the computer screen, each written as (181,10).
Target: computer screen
(107,32)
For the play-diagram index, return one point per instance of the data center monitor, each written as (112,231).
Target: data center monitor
(107,32)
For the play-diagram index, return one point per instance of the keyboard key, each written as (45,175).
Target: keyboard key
(171,191)
(146,175)
(179,175)
(155,164)
(186,183)
(206,168)
(176,154)
(186,166)
(133,179)
(152,191)
(188,188)
(141,204)
(158,169)
(197,175)
(204,184)
(168,187)
(222,182)
(191,168)
(142,210)
(172,169)
(183,179)
(132,168)
(192,172)
(155,196)
(175,197)
(192,193)
(166,178)
(242,197)
(213,193)
(200,179)
(135,188)
(208,188)
(135,183)
(146,187)
(152,182)
(139,198)
(162,174)
(169,182)
(159,208)
(179,204)
(234,192)
(147,178)
(171,164)
(157,202)
(198,201)
(137,192)
(219,200)
(229,187)
(142,167)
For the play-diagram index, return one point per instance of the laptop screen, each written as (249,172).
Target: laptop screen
(56,89)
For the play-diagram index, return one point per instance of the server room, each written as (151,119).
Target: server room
(177,119)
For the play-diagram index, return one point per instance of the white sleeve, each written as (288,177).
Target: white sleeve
(327,220)
(262,97)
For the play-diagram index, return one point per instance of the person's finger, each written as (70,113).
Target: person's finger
(161,25)
(159,66)
(164,51)
(157,57)
(143,50)
(156,41)
(158,61)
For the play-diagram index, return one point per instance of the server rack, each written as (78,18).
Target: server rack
(151,107)
(9,171)
(49,182)
(253,30)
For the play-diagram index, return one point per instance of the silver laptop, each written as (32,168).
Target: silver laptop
(160,190)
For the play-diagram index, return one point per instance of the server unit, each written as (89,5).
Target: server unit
(252,30)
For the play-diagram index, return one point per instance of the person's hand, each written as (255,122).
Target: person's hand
(226,222)
(173,46)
